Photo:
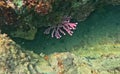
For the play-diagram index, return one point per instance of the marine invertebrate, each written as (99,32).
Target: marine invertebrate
(64,25)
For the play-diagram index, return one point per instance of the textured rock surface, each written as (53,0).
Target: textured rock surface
(21,33)
(68,63)
(13,60)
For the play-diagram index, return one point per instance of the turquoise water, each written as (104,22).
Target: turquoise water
(101,27)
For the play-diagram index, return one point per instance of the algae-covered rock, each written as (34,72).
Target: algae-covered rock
(69,63)
(15,60)
(28,35)
(9,54)
(63,63)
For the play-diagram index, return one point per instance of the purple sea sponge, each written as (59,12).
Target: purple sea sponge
(64,25)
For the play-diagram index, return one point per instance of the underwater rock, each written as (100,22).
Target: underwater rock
(69,63)
(62,63)
(9,53)
(28,35)
(15,60)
